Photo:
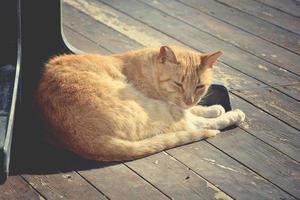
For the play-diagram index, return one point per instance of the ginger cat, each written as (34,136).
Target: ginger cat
(130,105)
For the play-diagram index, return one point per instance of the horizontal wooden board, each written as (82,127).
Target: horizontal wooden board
(230,176)
(261,158)
(63,186)
(233,56)
(289,6)
(17,189)
(118,182)
(231,34)
(174,179)
(81,42)
(275,103)
(248,23)
(266,13)
(98,32)
(292,90)
(269,129)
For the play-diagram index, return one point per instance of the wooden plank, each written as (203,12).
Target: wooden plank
(292,90)
(261,158)
(249,64)
(230,176)
(289,6)
(98,32)
(248,23)
(81,42)
(50,171)
(224,74)
(63,186)
(119,182)
(175,179)
(226,32)
(16,188)
(275,103)
(269,129)
(266,13)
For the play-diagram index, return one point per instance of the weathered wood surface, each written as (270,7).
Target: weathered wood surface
(269,129)
(16,188)
(229,33)
(230,176)
(267,13)
(291,7)
(119,182)
(249,64)
(63,186)
(174,179)
(100,33)
(248,23)
(82,43)
(224,74)
(291,90)
(274,103)
(260,160)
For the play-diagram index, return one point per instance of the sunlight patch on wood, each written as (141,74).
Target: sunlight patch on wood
(102,14)
(219,194)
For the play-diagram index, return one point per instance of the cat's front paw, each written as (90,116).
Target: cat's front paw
(210,133)
(239,116)
(216,110)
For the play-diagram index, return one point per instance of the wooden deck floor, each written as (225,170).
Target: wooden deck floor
(261,66)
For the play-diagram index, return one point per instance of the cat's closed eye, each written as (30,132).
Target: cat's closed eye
(178,84)
(199,87)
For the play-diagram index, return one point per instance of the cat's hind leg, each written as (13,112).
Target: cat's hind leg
(208,111)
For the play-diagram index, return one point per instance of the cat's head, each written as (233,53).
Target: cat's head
(184,75)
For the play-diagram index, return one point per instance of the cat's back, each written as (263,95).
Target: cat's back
(92,63)
(77,79)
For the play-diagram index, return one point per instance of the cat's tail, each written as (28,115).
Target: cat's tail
(121,150)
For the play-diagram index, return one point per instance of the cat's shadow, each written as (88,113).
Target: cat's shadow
(37,157)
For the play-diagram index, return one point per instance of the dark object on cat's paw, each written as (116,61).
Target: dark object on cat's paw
(217,94)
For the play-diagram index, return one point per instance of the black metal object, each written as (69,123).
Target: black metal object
(38,27)
(217,94)
(10,49)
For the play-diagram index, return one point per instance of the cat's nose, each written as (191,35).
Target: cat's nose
(188,101)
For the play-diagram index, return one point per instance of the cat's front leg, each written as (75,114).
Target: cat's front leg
(208,111)
(229,118)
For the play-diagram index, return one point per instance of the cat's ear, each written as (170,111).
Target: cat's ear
(209,59)
(166,54)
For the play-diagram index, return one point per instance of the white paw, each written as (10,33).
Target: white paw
(217,110)
(239,116)
(211,133)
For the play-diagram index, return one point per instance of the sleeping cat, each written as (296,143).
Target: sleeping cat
(130,105)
